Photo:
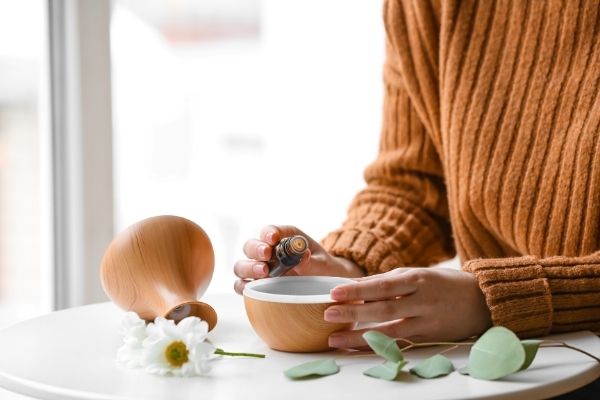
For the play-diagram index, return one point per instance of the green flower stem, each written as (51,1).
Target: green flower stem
(563,344)
(226,353)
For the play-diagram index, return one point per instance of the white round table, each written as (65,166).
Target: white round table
(70,354)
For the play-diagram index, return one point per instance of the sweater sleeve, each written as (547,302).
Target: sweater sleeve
(537,296)
(401,217)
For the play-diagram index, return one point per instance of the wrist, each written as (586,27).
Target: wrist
(485,318)
(349,269)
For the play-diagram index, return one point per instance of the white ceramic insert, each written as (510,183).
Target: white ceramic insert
(294,289)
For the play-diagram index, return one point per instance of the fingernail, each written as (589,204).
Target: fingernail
(270,237)
(332,314)
(259,270)
(262,251)
(338,293)
(337,341)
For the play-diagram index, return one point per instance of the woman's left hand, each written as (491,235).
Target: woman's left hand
(419,304)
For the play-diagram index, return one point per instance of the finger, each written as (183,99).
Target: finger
(272,234)
(386,286)
(399,270)
(377,311)
(239,286)
(257,250)
(291,272)
(302,267)
(250,269)
(405,328)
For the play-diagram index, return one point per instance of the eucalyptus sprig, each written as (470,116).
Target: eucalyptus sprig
(433,367)
(496,354)
(386,347)
(313,369)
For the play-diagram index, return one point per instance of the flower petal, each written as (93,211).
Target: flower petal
(187,369)
(131,319)
(204,350)
(201,356)
(193,330)
(202,367)
(165,327)
(154,352)
(132,325)
(188,323)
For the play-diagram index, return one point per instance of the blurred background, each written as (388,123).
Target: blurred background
(197,108)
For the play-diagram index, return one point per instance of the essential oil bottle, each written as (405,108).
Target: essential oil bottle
(287,254)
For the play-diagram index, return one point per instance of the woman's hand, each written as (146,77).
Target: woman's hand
(316,261)
(420,304)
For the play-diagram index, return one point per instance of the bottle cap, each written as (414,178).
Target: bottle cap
(298,244)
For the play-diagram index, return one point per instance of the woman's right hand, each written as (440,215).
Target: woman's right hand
(316,261)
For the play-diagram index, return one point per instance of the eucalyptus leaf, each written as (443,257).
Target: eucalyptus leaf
(313,369)
(389,370)
(497,353)
(531,347)
(433,367)
(464,370)
(383,346)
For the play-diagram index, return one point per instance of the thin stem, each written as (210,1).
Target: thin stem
(405,340)
(416,345)
(449,349)
(563,344)
(226,353)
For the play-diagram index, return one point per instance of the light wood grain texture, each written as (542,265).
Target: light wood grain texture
(298,328)
(158,267)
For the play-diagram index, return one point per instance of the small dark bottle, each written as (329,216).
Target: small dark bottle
(287,254)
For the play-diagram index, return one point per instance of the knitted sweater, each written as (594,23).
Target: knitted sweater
(490,147)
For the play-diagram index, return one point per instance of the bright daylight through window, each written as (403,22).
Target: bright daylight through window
(25,280)
(216,102)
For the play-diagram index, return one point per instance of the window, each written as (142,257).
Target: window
(232,113)
(25,246)
(241,113)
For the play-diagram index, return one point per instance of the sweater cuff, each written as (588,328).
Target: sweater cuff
(362,247)
(376,255)
(517,293)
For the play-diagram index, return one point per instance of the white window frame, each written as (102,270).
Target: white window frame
(81,146)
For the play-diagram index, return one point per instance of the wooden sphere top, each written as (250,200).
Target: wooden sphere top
(157,264)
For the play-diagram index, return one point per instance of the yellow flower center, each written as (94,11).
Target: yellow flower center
(176,354)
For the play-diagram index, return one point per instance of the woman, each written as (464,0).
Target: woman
(490,148)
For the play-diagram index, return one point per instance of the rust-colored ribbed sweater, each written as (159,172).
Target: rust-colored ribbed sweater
(490,145)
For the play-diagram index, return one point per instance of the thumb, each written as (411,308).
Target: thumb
(303,267)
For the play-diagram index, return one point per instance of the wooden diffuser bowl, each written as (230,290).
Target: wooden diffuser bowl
(159,267)
(287,312)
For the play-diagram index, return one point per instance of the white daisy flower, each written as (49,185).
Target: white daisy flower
(177,349)
(166,348)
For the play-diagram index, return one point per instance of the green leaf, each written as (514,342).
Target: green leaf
(389,370)
(497,353)
(433,367)
(313,369)
(531,347)
(383,346)
(464,370)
